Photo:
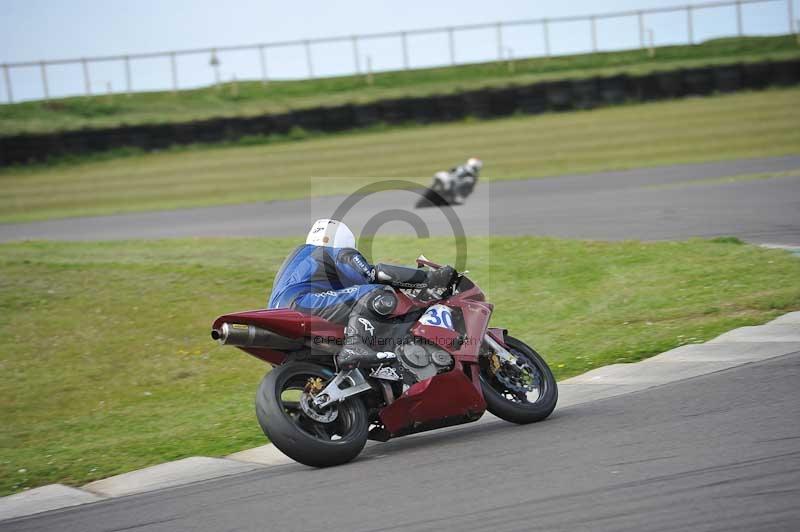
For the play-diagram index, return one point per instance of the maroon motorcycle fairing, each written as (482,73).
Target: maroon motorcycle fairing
(445,399)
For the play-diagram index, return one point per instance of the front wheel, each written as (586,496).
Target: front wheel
(522,393)
(315,438)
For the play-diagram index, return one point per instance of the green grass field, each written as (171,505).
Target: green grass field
(251,98)
(742,125)
(106,363)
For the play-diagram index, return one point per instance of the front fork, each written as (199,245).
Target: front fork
(503,354)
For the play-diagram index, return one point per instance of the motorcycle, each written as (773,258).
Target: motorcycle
(450,367)
(446,191)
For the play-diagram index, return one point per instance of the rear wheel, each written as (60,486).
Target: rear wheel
(524,392)
(434,196)
(316,438)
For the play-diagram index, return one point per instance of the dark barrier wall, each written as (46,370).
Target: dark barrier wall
(585,93)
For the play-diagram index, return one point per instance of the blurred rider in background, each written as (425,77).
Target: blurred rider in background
(463,179)
(330,278)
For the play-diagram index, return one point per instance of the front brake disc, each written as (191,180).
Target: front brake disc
(520,379)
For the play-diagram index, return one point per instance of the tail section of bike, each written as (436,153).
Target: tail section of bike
(273,334)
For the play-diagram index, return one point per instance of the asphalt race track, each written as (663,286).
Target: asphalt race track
(663,203)
(718,452)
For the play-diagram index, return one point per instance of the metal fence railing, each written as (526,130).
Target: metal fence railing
(260,50)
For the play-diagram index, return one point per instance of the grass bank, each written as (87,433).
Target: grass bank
(252,98)
(756,124)
(106,364)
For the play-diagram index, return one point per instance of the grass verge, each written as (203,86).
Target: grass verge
(251,98)
(756,124)
(107,365)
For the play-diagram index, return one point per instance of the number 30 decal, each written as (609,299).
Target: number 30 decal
(438,316)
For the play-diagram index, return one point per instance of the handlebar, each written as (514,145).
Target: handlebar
(438,293)
(423,261)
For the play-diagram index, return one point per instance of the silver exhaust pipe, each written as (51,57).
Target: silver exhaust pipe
(241,335)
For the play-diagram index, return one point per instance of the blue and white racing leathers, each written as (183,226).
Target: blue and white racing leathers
(323,281)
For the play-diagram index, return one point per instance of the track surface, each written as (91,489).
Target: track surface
(674,202)
(718,452)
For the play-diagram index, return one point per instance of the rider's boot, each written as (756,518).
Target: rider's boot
(356,353)
(360,355)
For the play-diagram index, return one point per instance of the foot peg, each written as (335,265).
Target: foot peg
(386,373)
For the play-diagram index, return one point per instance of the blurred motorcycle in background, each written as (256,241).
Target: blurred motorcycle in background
(454,186)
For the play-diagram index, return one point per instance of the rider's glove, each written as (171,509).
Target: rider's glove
(441,278)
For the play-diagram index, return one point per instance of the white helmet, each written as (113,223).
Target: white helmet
(474,164)
(331,233)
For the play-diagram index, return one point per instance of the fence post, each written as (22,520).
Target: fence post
(174,68)
(7,77)
(128,76)
(640,16)
(739,28)
(790,4)
(593,21)
(452,43)
(689,24)
(86,81)
(263,62)
(546,36)
(43,67)
(404,44)
(499,41)
(309,60)
(356,60)
(215,62)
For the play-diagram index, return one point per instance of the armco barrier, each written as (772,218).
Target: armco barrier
(613,90)
(502,102)
(366,115)
(451,107)
(670,85)
(425,111)
(532,99)
(479,103)
(786,73)
(756,75)
(699,81)
(585,93)
(728,79)
(483,103)
(559,95)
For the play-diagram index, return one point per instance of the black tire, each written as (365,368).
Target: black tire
(519,412)
(284,423)
(434,197)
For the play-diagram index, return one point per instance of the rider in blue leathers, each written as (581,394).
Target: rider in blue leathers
(328,277)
